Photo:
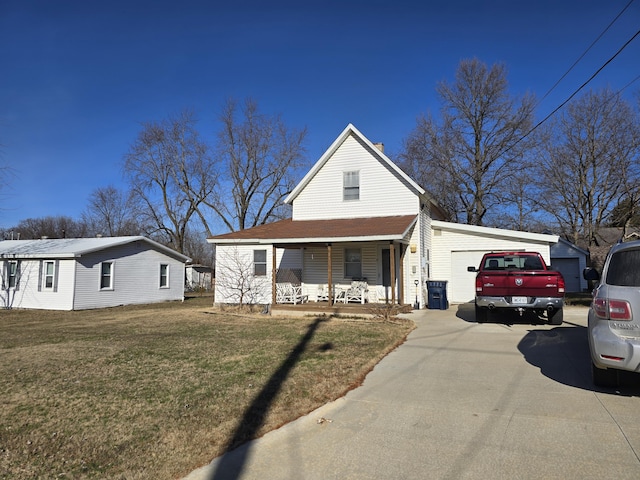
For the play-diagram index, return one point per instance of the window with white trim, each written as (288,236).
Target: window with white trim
(12,273)
(259,263)
(351,185)
(48,274)
(164,275)
(352,263)
(106,276)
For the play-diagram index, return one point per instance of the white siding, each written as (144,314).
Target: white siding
(30,293)
(382,191)
(235,279)
(136,277)
(446,243)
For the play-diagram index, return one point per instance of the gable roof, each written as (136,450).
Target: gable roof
(495,232)
(74,247)
(380,156)
(322,231)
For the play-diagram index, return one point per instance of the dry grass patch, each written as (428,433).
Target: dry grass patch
(156,391)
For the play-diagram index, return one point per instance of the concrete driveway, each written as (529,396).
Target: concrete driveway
(461,400)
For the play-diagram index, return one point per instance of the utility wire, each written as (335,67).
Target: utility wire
(585,52)
(577,91)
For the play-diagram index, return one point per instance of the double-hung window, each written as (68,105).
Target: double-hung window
(106,276)
(164,275)
(259,263)
(352,263)
(351,185)
(48,275)
(12,273)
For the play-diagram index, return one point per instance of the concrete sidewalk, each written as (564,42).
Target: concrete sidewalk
(461,400)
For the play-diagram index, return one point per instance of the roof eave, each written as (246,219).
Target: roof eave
(323,240)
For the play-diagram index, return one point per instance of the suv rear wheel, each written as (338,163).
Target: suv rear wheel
(604,377)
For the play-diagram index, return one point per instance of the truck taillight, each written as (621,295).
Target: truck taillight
(612,309)
(478,284)
(560,284)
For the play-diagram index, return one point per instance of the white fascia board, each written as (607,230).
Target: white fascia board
(38,256)
(501,232)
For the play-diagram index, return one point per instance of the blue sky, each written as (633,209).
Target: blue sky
(77,77)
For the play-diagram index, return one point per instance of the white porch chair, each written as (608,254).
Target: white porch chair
(287,292)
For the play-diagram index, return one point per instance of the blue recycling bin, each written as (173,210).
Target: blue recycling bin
(437,295)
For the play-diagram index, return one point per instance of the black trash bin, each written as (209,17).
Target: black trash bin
(437,295)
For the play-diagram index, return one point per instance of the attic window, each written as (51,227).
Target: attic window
(351,185)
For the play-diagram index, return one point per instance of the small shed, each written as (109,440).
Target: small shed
(570,260)
(198,277)
(83,273)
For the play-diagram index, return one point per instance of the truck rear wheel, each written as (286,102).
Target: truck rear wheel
(481,314)
(556,316)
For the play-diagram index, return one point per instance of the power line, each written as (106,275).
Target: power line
(585,52)
(577,91)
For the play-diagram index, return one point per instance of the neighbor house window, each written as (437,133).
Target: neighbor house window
(352,263)
(164,275)
(106,275)
(351,185)
(12,273)
(49,272)
(259,262)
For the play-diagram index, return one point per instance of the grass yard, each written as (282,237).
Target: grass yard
(156,391)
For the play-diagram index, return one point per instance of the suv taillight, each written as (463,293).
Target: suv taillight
(612,309)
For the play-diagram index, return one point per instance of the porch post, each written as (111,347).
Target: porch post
(273,275)
(392,267)
(329,275)
(403,250)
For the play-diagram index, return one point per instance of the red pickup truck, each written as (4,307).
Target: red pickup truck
(520,281)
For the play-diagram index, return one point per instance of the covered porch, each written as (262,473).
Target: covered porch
(338,274)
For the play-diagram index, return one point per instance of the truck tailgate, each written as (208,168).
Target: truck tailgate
(519,283)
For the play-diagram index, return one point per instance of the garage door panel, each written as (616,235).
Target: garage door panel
(462,287)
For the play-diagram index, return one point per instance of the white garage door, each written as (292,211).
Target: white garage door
(570,270)
(462,287)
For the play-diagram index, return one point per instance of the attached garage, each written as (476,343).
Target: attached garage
(456,246)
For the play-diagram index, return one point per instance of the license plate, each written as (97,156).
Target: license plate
(519,300)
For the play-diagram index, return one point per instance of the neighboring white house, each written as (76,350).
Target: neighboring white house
(357,220)
(82,273)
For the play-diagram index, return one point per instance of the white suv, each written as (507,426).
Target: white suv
(614,330)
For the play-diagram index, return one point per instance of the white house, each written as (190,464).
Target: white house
(82,273)
(361,229)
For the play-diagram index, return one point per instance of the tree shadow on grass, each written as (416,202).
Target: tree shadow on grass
(230,466)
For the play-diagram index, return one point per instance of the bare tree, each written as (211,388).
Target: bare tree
(111,212)
(171,174)
(588,163)
(259,156)
(50,227)
(236,280)
(466,158)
